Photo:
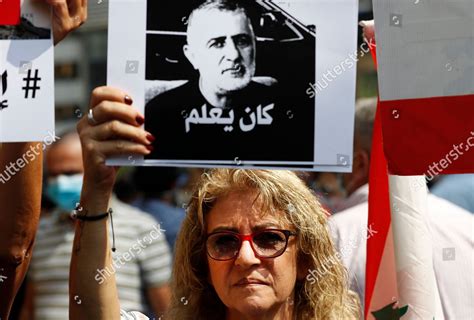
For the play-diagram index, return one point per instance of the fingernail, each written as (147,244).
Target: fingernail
(128,100)
(150,137)
(140,120)
(151,148)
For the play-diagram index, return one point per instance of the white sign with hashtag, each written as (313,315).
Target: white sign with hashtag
(27,76)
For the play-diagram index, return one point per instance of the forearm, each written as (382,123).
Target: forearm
(89,297)
(20,205)
(91,254)
(27,310)
(160,298)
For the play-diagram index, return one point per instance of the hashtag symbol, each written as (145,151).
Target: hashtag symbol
(28,80)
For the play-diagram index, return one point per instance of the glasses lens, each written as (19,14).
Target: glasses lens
(270,243)
(223,246)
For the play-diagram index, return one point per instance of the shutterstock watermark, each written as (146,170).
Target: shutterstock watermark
(347,249)
(29,156)
(128,256)
(347,64)
(437,167)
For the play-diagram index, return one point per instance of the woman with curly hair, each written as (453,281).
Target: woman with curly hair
(246,248)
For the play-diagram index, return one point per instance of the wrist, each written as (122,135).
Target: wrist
(83,215)
(94,201)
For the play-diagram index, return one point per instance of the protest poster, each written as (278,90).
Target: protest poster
(220,88)
(27,75)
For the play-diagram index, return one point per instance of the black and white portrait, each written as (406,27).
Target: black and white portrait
(227,79)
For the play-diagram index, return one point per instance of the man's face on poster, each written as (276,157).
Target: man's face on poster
(221,46)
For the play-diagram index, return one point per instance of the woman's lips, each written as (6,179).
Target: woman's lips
(249,282)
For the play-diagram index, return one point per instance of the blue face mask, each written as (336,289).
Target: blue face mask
(65,191)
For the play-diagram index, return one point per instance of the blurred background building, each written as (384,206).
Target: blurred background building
(81,65)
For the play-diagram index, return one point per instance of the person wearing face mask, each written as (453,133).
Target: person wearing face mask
(65,190)
(139,266)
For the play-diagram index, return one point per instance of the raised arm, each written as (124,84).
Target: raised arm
(116,131)
(20,200)
(21,181)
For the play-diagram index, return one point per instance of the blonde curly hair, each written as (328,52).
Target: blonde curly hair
(327,298)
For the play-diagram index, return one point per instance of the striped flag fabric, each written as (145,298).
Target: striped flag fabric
(425,54)
(426,85)
(400,280)
(381,292)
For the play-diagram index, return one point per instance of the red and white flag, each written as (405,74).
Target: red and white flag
(425,51)
(425,56)
(400,279)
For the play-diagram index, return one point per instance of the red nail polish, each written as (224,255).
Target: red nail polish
(150,137)
(150,147)
(140,120)
(128,100)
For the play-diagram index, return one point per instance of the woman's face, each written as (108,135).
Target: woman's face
(248,285)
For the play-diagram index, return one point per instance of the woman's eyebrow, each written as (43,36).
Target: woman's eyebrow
(225,228)
(264,226)
(256,228)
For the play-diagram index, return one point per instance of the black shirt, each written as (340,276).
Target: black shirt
(264,126)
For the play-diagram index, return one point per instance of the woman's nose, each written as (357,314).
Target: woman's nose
(246,255)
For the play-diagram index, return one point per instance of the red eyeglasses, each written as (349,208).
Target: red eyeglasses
(269,243)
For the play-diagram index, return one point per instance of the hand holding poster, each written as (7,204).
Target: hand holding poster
(27,76)
(236,94)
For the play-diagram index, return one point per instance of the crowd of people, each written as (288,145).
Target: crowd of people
(83,240)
